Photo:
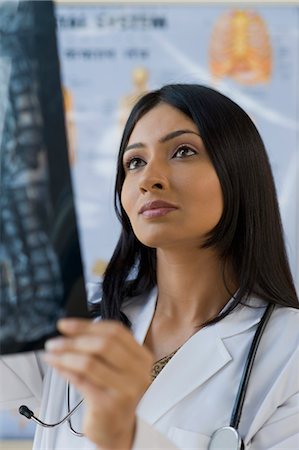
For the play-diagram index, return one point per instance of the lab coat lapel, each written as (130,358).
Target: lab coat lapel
(202,356)
(195,362)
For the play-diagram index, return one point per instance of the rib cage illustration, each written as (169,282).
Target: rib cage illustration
(240,48)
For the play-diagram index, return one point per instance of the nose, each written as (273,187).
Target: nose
(154,178)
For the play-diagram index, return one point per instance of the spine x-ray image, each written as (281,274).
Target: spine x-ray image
(40,262)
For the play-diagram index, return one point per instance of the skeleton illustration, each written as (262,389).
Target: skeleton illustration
(240,48)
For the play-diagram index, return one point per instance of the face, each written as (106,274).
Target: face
(171,192)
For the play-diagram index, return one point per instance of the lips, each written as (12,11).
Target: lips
(156,208)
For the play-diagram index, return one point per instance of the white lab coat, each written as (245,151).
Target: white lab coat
(195,392)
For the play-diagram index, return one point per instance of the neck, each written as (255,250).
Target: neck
(192,285)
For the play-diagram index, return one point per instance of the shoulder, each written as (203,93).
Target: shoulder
(279,343)
(139,305)
(286,313)
(132,307)
(283,327)
(279,347)
(94,291)
(274,395)
(285,320)
(94,297)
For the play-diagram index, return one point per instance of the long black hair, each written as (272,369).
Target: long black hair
(249,233)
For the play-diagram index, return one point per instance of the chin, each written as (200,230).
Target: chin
(153,241)
(158,240)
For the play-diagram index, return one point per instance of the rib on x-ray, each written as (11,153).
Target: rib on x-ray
(40,262)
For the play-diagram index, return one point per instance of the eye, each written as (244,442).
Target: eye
(134,163)
(184,151)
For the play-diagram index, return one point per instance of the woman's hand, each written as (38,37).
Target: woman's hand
(111,370)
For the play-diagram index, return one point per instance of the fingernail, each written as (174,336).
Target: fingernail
(54,344)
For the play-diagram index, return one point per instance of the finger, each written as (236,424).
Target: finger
(87,368)
(116,355)
(95,371)
(74,326)
(88,391)
(109,329)
(71,377)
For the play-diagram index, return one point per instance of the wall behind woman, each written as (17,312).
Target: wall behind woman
(112,53)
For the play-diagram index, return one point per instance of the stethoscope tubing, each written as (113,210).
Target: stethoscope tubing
(70,412)
(239,402)
(25,411)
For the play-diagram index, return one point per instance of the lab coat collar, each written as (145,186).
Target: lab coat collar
(140,311)
(185,370)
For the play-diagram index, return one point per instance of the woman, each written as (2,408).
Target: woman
(200,257)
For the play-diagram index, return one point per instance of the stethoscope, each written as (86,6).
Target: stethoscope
(225,438)
(25,411)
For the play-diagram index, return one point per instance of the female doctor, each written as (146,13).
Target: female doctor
(199,259)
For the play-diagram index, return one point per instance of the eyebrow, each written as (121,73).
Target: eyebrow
(167,137)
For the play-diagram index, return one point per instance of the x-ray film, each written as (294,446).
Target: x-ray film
(40,261)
